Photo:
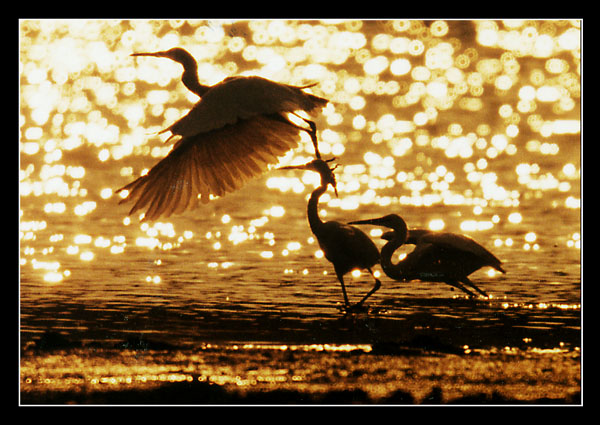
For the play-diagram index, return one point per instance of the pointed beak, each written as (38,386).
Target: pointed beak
(154,54)
(293,167)
(334,185)
(374,221)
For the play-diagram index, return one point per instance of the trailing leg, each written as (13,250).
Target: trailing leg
(371,292)
(460,286)
(467,281)
(312,131)
(340,277)
(313,136)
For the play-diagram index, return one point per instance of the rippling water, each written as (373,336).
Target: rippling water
(469,127)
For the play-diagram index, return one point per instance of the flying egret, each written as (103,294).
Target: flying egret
(235,132)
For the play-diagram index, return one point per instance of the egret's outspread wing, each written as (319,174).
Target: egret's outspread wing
(211,163)
(239,98)
(463,243)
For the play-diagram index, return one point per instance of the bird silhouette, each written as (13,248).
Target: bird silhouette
(235,132)
(437,257)
(346,247)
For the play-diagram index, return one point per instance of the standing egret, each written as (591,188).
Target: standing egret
(239,127)
(437,257)
(346,247)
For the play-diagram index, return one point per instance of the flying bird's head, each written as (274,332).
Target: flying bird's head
(190,67)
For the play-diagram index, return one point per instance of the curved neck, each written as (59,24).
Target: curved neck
(190,73)
(395,271)
(190,79)
(314,221)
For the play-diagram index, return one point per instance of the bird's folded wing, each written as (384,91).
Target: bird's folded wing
(212,163)
(462,243)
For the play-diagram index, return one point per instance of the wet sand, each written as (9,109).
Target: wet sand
(304,375)
(366,358)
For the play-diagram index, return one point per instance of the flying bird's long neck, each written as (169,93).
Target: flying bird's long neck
(190,76)
(315,222)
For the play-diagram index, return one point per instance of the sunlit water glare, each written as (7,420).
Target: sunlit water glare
(466,127)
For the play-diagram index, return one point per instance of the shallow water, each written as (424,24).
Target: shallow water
(448,125)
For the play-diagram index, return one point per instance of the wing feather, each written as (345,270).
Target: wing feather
(199,187)
(155,201)
(145,195)
(216,162)
(229,164)
(203,172)
(183,197)
(211,179)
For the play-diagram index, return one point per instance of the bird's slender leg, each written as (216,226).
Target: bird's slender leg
(371,292)
(313,136)
(467,281)
(460,286)
(341,279)
(312,131)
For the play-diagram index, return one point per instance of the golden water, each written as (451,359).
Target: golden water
(464,126)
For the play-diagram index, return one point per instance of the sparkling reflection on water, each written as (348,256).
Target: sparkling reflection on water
(469,127)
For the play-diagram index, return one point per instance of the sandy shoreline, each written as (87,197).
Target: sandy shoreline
(480,354)
(317,374)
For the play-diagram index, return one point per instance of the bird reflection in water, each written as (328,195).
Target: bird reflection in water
(238,128)
(437,257)
(346,247)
